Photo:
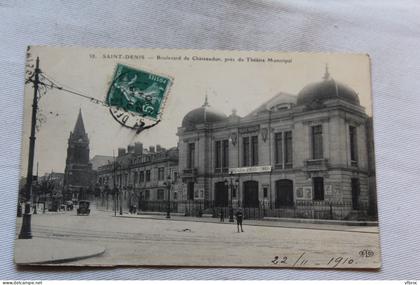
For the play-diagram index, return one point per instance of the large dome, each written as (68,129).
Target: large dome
(326,89)
(204,114)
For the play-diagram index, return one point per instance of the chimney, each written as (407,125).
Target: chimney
(138,148)
(152,149)
(121,151)
(130,148)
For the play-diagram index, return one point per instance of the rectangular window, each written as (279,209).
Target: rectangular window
(353,143)
(190,191)
(265,189)
(136,177)
(318,185)
(161,173)
(148,175)
(317,151)
(119,180)
(175,195)
(218,162)
(245,149)
(278,148)
(225,154)
(141,176)
(147,195)
(160,194)
(175,178)
(288,149)
(221,154)
(254,150)
(191,155)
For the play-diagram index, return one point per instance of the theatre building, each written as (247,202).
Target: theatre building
(303,155)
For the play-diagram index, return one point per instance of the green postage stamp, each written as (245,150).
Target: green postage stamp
(138,92)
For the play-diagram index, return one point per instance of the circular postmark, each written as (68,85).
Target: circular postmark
(136,98)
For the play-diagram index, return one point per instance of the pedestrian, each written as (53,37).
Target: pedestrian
(222,215)
(239,217)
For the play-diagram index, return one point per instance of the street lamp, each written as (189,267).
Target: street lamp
(232,186)
(168,185)
(115,196)
(120,198)
(115,190)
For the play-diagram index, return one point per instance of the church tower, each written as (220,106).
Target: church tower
(78,172)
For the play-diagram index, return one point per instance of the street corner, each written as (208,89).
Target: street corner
(50,251)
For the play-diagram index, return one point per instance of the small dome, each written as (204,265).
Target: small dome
(325,90)
(204,114)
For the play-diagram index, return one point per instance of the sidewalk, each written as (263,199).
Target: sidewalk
(46,251)
(331,225)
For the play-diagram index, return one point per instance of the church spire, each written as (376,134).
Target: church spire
(79,128)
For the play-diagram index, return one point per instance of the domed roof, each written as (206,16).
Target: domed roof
(204,114)
(277,102)
(326,89)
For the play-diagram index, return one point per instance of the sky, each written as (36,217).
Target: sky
(229,85)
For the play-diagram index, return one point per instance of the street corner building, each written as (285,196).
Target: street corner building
(306,156)
(138,177)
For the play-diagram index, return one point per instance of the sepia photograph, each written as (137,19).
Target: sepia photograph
(197,158)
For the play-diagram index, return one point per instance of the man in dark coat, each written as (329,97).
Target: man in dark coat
(239,217)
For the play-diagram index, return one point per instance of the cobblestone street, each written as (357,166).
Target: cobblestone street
(131,241)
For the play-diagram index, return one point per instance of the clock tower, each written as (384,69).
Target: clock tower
(78,172)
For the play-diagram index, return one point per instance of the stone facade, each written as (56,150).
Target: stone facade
(308,155)
(293,152)
(141,175)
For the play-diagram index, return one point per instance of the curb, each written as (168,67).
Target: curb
(253,225)
(62,260)
(52,251)
(324,222)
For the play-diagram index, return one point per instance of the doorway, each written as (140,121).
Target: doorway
(221,196)
(355,192)
(251,194)
(284,193)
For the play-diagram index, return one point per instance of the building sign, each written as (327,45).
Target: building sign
(328,190)
(249,129)
(304,193)
(307,192)
(250,169)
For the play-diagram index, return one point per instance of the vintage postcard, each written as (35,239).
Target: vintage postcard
(158,157)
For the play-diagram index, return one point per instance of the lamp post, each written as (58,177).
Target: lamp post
(116,190)
(115,195)
(232,186)
(168,184)
(120,198)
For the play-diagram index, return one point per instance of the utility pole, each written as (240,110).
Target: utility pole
(36,196)
(25,231)
(114,190)
(168,185)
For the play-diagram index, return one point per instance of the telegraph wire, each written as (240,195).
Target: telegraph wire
(54,84)
(58,86)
